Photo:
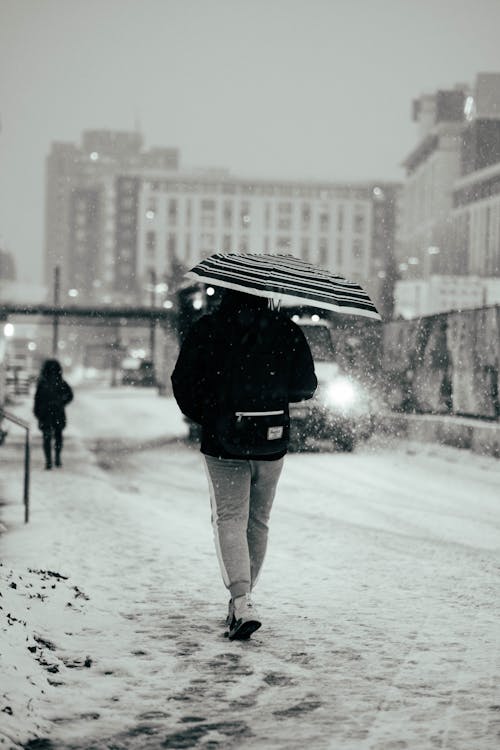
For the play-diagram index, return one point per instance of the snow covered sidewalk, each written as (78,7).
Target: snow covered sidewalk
(379,596)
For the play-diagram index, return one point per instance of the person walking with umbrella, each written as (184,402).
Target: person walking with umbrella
(237,371)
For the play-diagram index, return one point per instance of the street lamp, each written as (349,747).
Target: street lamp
(162,288)
(8,330)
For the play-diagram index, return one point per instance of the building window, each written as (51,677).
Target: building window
(171,246)
(150,243)
(285,216)
(126,220)
(284,223)
(340,218)
(357,249)
(267,216)
(305,248)
(188,211)
(359,223)
(245,215)
(126,202)
(305,215)
(340,252)
(323,251)
(228,214)
(207,243)
(324,222)
(227,243)
(244,244)
(172,211)
(284,244)
(127,185)
(188,247)
(207,214)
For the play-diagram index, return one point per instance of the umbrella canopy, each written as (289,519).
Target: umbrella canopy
(284,278)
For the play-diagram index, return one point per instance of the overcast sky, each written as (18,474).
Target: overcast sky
(271,88)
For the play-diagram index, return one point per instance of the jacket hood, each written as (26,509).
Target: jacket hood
(241,308)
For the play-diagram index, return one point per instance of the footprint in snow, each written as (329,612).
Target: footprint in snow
(278,680)
(300,708)
(152,715)
(189,738)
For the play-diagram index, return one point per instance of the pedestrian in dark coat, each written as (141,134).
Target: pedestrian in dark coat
(52,395)
(244,353)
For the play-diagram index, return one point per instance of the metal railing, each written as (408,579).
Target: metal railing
(26,487)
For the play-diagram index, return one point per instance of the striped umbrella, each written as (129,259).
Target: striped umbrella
(284,278)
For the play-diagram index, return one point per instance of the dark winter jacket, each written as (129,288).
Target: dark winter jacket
(197,374)
(51,397)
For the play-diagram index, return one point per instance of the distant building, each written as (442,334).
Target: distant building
(13,291)
(21,292)
(7,266)
(417,297)
(83,234)
(450,221)
(348,229)
(431,170)
(475,221)
(119,216)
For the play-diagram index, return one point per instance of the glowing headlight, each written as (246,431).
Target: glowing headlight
(341,393)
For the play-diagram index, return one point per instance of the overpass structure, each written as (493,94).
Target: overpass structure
(104,313)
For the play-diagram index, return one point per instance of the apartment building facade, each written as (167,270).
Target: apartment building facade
(94,250)
(119,216)
(450,224)
(476,221)
(348,229)
(431,170)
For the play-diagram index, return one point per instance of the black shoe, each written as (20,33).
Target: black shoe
(58,462)
(48,466)
(245,619)
(230,615)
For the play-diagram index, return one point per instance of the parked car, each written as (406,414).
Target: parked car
(18,380)
(342,408)
(141,374)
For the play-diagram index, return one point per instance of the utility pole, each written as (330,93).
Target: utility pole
(55,321)
(115,353)
(152,330)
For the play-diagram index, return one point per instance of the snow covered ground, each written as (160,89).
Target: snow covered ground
(379,596)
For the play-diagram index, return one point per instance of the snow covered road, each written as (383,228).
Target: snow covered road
(379,596)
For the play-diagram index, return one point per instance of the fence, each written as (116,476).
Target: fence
(26,485)
(445,364)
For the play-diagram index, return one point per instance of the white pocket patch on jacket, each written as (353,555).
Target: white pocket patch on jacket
(274,433)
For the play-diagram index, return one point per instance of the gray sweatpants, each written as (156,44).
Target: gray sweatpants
(241,495)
